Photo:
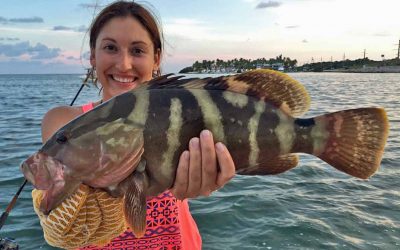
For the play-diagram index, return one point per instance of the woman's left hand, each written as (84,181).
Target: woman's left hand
(198,173)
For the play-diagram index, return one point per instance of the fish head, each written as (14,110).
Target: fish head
(100,155)
(93,150)
(48,174)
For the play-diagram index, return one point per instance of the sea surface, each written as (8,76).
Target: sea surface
(313,206)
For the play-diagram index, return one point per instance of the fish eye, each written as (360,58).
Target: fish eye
(61,138)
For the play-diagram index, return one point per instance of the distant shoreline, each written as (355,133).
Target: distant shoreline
(380,69)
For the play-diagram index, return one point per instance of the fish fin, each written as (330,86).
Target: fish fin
(356,141)
(135,201)
(272,86)
(165,81)
(272,166)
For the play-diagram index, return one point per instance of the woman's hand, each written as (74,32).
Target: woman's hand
(198,173)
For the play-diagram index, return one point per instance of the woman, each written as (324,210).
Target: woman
(126,49)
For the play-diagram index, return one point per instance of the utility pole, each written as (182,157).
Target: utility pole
(398,50)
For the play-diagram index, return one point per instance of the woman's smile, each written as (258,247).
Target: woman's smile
(125,82)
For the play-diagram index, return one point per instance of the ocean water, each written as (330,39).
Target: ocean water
(313,206)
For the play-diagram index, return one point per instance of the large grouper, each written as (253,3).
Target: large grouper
(131,144)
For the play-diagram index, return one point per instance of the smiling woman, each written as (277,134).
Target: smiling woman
(126,47)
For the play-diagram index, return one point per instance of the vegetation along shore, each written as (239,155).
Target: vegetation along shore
(364,65)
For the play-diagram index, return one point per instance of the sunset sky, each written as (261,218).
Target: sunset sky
(47,36)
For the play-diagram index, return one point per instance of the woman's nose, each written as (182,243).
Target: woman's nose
(124,62)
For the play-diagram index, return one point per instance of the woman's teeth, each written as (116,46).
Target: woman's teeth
(123,79)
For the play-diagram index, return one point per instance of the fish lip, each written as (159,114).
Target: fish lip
(26,171)
(36,171)
(46,173)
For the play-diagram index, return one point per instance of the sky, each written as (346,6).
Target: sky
(47,36)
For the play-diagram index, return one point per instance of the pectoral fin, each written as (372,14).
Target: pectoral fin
(135,200)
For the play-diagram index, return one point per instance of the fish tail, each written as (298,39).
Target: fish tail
(352,141)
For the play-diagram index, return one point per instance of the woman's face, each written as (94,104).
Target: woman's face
(124,56)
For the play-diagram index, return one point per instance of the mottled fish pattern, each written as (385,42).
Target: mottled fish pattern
(131,144)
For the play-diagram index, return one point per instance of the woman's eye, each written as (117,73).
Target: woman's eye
(137,51)
(110,47)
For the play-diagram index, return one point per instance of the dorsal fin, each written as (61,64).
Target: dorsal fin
(272,86)
(275,87)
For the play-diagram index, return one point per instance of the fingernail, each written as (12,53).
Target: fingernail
(186,155)
(195,142)
(205,133)
(220,147)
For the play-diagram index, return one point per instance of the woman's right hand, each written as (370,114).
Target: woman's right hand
(203,169)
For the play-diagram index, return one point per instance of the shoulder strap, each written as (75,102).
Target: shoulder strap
(87,107)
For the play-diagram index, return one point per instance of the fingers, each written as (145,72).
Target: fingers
(198,173)
(195,168)
(226,164)
(179,189)
(208,164)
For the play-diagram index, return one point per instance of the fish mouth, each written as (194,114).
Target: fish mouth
(35,170)
(47,174)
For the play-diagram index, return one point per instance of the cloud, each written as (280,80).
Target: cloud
(96,6)
(26,20)
(9,39)
(86,55)
(72,58)
(292,27)
(382,34)
(81,28)
(38,67)
(60,27)
(269,4)
(21,20)
(304,41)
(39,51)
(90,5)
(14,50)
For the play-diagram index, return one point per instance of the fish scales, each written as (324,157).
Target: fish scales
(131,144)
(266,136)
(235,122)
(156,129)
